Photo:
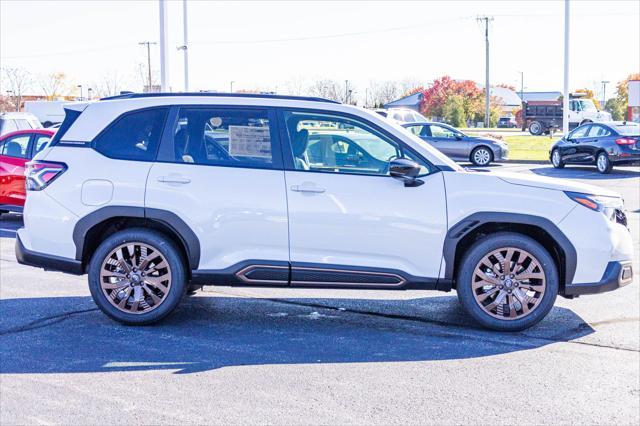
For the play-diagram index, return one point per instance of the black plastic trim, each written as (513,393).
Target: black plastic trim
(470,223)
(611,280)
(218,95)
(189,239)
(46,261)
(313,275)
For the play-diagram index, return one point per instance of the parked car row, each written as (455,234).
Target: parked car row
(151,195)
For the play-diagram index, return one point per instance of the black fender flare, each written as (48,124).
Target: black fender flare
(189,239)
(468,224)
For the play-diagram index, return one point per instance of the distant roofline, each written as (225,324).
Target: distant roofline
(218,95)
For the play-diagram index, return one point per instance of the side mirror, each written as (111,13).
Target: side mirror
(458,137)
(405,170)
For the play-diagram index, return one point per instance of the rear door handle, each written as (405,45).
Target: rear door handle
(174,179)
(307,188)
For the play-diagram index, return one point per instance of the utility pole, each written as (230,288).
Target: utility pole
(485,20)
(346,91)
(148,44)
(604,93)
(231,86)
(521,86)
(80,87)
(185,45)
(565,93)
(164,53)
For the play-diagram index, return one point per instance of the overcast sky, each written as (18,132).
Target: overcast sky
(265,44)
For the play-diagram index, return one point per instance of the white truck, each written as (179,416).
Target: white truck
(48,112)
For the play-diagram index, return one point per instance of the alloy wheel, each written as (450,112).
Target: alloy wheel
(135,277)
(482,157)
(555,158)
(508,283)
(602,163)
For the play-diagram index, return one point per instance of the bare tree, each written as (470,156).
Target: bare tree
(17,81)
(110,84)
(409,85)
(382,92)
(53,84)
(333,90)
(296,86)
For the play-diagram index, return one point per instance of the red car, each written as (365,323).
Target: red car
(16,149)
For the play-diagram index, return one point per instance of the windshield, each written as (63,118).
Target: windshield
(628,129)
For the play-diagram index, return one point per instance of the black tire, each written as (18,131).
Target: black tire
(47,124)
(556,159)
(536,128)
(603,164)
(481,160)
(166,248)
(487,245)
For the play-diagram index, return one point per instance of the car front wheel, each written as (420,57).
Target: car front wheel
(507,282)
(137,276)
(481,156)
(603,163)
(556,159)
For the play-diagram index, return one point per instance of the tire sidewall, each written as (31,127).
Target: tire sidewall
(560,163)
(493,242)
(533,125)
(608,167)
(173,257)
(473,155)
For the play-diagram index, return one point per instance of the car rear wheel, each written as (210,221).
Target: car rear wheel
(535,128)
(137,276)
(603,163)
(481,156)
(507,282)
(556,159)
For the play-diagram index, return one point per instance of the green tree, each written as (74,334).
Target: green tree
(453,111)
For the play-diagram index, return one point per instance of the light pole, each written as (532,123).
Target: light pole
(80,87)
(366,97)
(185,45)
(565,93)
(164,53)
(604,93)
(89,91)
(346,91)
(231,87)
(521,86)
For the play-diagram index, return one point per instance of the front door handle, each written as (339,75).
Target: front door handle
(174,179)
(307,188)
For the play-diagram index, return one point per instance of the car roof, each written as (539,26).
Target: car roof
(422,123)
(29,131)
(219,95)
(18,114)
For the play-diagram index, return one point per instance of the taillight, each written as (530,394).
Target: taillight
(625,141)
(39,174)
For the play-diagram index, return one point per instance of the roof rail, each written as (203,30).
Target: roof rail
(219,95)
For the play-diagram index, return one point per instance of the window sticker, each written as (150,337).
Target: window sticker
(247,141)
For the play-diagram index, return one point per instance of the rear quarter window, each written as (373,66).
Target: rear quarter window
(133,136)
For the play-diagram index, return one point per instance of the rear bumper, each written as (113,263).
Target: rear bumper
(11,208)
(617,274)
(46,261)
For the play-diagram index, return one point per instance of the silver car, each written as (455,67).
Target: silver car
(480,151)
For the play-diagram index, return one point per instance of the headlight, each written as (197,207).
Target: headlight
(611,207)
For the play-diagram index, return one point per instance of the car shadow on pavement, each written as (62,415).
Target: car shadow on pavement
(69,334)
(585,173)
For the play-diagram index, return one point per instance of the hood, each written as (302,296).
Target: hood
(553,183)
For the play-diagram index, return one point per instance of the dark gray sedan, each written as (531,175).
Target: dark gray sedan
(481,151)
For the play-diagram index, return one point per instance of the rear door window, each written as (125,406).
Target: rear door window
(40,142)
(16,146)
(220,136)
(133,136)
(8,126)
(23,124)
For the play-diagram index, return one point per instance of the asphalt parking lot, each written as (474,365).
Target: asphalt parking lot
(249,356)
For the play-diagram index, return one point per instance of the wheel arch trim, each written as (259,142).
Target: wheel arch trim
(186,235)
(472,222)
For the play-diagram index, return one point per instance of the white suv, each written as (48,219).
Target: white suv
(155,195)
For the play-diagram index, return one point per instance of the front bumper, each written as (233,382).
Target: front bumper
(46,261)
(617,274)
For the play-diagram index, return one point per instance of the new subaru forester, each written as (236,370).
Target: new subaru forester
(152,195)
